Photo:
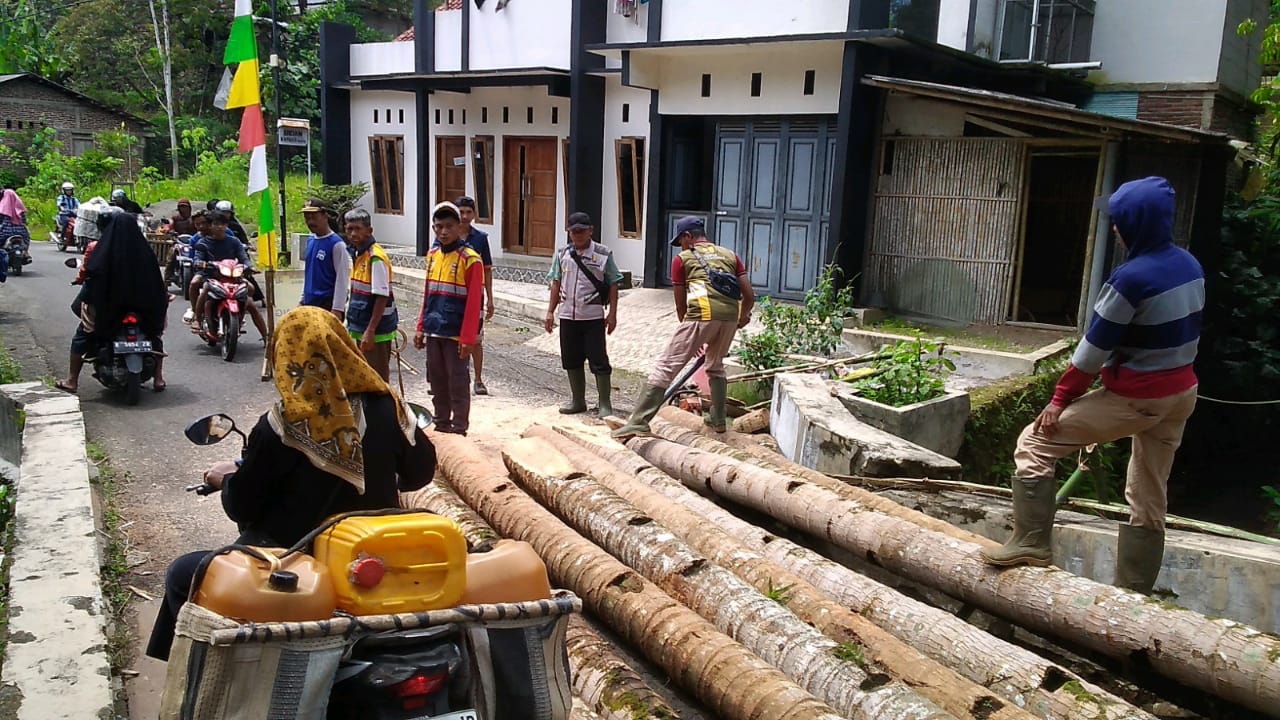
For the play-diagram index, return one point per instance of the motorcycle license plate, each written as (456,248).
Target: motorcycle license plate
(125,346)
(460,715)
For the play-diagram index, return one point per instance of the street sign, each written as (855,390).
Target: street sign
(294,131)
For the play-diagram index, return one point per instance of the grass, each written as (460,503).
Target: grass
(851,652)
(958,336)
(780,594)
(751,393)
(115,563)
(10,370)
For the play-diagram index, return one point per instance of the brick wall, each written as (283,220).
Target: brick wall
(1199,109)
(29,105)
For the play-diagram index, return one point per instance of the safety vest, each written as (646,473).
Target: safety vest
(360,305)
(445,301)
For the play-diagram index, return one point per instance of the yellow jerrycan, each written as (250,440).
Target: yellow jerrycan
(239,586)
(510,572)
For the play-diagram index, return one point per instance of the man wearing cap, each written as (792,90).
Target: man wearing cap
(584,280)
(1143,340)
(478,240)
(327,277)
(450,319)
(181,223)
(713,299)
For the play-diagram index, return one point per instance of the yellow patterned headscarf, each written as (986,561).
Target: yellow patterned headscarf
(320,373)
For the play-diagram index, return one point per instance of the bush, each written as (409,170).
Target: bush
(912,373)
(813,328)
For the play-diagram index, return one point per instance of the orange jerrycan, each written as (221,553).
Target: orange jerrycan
(510,572)
(385,564)
(239,586)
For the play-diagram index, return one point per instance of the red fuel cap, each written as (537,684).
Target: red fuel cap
(366,572)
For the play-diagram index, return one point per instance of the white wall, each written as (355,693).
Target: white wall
(391,229)
(524,34)
(953,23)
(1158,41)
(518,100)
(1240,70)
(705,19)
(621,29)
(916,117)
(448,40)
(782,71)
(627,252)
(381,58)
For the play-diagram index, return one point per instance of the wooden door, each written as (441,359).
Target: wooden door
(451,168)
(529,195)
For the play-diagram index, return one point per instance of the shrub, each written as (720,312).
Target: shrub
(813,328)
(912,373)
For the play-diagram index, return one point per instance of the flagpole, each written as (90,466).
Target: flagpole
(270,295)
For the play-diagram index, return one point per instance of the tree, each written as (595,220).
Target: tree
(25,45)
(166,59)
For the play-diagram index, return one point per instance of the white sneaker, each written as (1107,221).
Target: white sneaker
(189,315)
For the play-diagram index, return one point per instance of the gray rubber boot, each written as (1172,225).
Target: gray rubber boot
(1034,506)
(716,414)
(638,424)
(1139,553)
(577,392)
(604,391)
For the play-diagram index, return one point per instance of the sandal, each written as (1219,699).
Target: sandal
(481,389)
(65,387)
(159,387)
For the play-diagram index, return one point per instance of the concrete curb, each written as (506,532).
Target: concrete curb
(56,663)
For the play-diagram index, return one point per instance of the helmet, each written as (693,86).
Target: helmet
(117,194)
(68,186)
(224,206)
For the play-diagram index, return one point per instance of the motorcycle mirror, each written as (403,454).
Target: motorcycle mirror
(72,262)
(211,429)
(423,415)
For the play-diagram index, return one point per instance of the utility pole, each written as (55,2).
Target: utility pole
(277,60)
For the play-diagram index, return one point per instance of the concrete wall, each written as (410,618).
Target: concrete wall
(910,116)
(27,105)
(953,23)
(1240,70)
(448,41)
(1159,41)
(628,252)
(384,58)
(782,69)
(524,34)
(392,229)
(711,19)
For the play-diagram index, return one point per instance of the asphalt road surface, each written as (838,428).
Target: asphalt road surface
(145,443)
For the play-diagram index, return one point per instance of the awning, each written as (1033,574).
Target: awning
(556,80)
(1063,115)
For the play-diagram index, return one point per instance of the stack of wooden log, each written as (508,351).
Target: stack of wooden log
(750,625)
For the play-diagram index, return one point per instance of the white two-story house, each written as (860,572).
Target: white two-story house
(945,154)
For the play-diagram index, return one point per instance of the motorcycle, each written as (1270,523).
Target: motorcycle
(127,361)
(65,236)
(226,299)
(15,246)
(181,269)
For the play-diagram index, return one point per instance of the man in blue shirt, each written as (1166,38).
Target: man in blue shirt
(327,279)
(478,240)
(219,244)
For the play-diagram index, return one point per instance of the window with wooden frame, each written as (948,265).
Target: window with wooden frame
(386,167)
(482,173)
(630,155)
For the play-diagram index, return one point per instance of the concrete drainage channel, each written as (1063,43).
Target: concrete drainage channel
(56,663)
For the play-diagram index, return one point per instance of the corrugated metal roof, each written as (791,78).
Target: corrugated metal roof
(1115,104)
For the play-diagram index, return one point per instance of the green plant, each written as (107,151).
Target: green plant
(339,198)
(780,594)
(811,328)
(851,652)
(1272,512)
(115,564)
(911,373)
(10,370)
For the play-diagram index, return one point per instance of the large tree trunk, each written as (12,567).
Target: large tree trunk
(685,428)
(607,683)
(722,674)
(944,686)
(762,624)
(1228,659)
(1007,669)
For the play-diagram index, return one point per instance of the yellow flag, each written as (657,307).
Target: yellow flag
(244,86)
(267,251)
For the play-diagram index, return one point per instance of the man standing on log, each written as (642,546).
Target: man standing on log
(713,300)
(1142,339)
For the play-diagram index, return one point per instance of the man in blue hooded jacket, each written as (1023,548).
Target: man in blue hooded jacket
(1142,339)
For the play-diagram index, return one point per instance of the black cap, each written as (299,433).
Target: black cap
(465,201)
(580,221)
(283,581)
(688,224)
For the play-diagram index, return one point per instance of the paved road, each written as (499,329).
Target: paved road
(146,441)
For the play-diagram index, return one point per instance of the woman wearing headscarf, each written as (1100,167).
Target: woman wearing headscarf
(120,277)
(338,439)
(13,218)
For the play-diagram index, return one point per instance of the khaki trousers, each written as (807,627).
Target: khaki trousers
(1101,416)
(716,335)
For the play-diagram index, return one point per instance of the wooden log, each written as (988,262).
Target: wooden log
(760,623)
(752,422)
(1224,658)
(1045,689)
(683,428)
(720,672)
(600,677)
(942,685)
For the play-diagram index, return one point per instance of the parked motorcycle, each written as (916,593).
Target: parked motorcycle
(225,305)
(15,246)
(66,237)
(127,361)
